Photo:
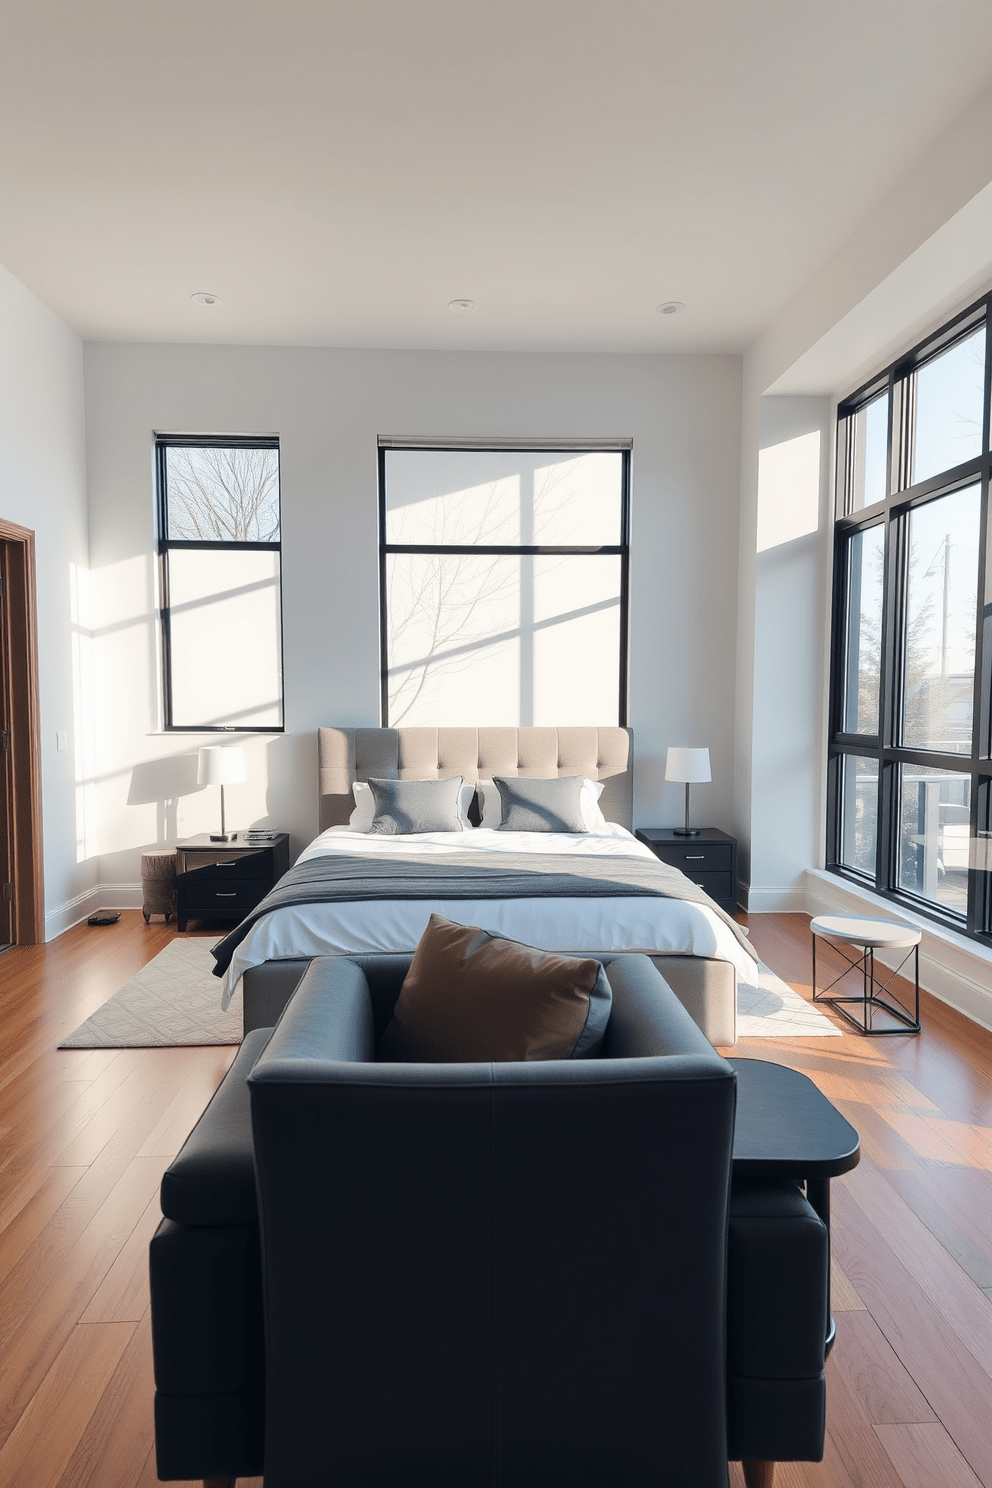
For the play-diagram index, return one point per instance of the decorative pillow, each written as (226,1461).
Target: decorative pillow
(534,805)
(472,997)
(405,806)
(361,818)
(589,805)
(364,813)
(492,804)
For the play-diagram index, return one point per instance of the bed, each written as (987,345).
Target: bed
(697,952)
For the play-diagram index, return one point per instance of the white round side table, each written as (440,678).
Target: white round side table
(870,935)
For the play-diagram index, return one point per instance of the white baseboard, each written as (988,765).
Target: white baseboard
(953,968)
(773,901)
(104,896)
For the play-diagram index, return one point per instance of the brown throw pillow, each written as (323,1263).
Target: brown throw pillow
(474,997)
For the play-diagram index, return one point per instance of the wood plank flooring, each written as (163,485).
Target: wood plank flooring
(85,1135)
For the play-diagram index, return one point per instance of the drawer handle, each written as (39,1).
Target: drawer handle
(234,894)
(694,857)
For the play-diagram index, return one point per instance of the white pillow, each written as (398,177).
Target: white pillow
(589,805)
(492,805)
(362,816)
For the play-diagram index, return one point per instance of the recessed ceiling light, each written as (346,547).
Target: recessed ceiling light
(202,297)
(462,307)
(671,307)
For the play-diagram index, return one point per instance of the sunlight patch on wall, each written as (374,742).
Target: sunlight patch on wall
(788,490)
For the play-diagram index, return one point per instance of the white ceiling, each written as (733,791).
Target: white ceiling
(337,172)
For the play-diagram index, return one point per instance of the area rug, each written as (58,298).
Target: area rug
(174,1002)
(768,1008)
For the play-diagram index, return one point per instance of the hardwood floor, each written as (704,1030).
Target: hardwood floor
(85,1135)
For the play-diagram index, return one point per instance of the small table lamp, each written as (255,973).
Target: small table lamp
(693,767)
(221,765)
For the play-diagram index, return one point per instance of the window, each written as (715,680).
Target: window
(910,785)
(503,583)
(220,555)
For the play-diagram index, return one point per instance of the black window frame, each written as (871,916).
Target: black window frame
(621,549)
(166,545)
(893,511)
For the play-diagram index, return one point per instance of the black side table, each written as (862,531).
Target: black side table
(786,1128)
(709,859)
(224,880)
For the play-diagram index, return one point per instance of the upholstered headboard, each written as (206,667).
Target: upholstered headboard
(345,755)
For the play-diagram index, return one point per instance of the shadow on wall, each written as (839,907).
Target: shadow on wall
(161,782)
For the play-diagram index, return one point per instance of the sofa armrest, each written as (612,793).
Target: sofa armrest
(647,1018)
(329,1016)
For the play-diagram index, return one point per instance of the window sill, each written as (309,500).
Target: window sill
(205,733)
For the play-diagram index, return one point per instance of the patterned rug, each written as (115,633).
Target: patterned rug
(174,1002)
(769,1008)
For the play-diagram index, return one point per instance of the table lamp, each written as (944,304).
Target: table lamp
(221,765)
(693,767)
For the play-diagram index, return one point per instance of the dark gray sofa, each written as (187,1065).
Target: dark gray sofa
(512,1274)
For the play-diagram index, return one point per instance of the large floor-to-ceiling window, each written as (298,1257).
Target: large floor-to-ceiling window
(911,717)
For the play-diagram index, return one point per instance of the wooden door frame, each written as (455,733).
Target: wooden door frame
(18,568)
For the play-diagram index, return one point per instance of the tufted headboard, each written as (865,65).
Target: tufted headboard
(345,755)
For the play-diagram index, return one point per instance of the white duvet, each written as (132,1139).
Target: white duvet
(658,926)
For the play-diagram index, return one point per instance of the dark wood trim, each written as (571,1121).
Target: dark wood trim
(25,729)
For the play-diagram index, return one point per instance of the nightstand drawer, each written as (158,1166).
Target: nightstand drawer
(234,897)
(252,863)
(692,859)
(719,886)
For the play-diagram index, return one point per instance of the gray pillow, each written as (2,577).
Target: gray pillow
(541,805)
(403,806)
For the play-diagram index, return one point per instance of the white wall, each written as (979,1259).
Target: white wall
(791,558)
(782,646)
(43,486)
(328,407)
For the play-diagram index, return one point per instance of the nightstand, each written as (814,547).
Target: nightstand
(224,880)
(709,859)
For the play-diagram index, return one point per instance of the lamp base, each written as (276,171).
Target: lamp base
(223,836)
(686,831)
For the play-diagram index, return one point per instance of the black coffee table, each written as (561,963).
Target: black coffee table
(786,1128)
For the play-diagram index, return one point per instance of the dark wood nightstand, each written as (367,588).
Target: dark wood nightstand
(224,880)
(709,859)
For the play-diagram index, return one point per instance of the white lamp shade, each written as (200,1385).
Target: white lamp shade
(690,766)
(218,764)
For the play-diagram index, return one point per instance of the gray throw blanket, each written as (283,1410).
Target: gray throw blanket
(347,876)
